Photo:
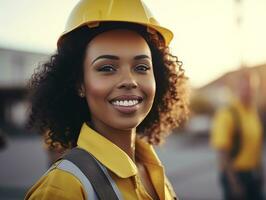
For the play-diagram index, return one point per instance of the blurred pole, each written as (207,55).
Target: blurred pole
(239,19)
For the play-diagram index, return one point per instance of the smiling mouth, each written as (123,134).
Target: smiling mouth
(126,101)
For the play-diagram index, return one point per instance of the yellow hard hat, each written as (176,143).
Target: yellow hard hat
(92,12)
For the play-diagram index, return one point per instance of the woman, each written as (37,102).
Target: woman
(113,90)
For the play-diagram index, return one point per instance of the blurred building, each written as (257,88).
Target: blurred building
(217,90)
(205,100)
(16,67)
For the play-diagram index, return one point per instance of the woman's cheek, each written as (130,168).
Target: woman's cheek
(149,88)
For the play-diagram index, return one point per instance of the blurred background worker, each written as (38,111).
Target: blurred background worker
(237,136)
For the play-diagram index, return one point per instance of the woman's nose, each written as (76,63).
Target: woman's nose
(128,82)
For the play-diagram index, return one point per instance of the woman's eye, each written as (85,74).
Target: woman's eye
(107,68)
(142,68)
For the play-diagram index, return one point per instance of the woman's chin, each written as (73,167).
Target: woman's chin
(126,126)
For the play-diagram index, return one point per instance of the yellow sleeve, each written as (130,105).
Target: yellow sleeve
(58,184)
(222,130)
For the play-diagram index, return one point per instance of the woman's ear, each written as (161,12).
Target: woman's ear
(81,90)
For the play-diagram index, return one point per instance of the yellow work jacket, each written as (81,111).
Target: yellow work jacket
(250,154)
(59,184)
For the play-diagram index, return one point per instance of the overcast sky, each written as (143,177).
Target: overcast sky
(206,39)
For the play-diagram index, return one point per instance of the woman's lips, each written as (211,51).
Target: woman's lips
(126,109)
(126,104)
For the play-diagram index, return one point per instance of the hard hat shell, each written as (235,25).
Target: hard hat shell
(92,12)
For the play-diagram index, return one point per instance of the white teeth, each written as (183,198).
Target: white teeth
(125,102)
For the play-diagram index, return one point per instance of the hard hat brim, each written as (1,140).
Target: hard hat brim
(164,32)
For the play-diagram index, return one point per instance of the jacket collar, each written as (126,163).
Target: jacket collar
(111,156)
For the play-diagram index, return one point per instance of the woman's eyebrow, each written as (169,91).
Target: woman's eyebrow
(112,57)
(141,57)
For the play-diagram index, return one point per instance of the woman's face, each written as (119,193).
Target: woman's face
(118,79)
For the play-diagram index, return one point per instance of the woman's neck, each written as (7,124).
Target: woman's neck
(124,139)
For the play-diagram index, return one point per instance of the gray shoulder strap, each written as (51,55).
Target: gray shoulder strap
(68,166)
(114,186)
(90,192)
(96,173)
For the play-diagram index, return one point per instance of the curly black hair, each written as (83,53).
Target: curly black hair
(57,109)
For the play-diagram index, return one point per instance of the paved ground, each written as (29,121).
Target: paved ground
(191,167)
(189,162)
